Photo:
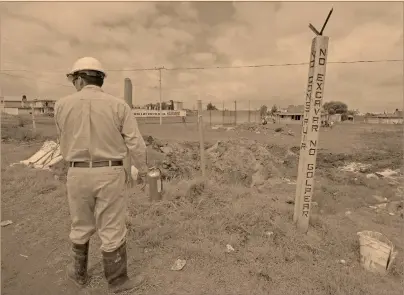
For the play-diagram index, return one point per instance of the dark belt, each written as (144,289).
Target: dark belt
(96,164)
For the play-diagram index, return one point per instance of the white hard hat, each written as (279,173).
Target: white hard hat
(86,64)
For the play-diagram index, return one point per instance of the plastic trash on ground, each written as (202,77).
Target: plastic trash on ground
(178,264)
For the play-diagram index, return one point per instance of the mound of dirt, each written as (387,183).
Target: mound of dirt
(240,161)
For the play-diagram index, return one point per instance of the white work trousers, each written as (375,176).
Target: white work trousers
(97,202)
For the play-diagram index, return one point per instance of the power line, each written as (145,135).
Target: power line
(220,67)
(281,65)
(37,80)
(58,84)
(187,68)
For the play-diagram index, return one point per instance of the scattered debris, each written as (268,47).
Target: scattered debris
(178,264)
(166,150)
(229,248)
(379,198)
(355,167)
(392,207)
(381,206)
(388,173)
(395,206)
(372,175)
(269,233)
(288,181)
(5,223)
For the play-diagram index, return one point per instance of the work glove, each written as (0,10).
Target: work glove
(139,175)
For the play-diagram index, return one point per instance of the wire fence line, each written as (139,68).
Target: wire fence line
(225,113)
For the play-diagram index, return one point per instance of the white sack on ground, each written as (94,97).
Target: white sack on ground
(48,155)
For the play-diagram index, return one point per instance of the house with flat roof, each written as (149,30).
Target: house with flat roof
(294,114)
(22,105)
(387,118)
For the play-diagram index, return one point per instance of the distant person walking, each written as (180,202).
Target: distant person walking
(96,131)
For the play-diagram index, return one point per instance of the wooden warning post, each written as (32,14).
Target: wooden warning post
(310,129)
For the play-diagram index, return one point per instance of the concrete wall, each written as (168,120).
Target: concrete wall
(372,120)
(24,111)
(11,111)
(335,118)
(288,120)
(166,120)
(217,117)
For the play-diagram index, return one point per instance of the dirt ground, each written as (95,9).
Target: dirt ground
(246,203)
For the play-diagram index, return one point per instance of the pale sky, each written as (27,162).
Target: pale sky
(41,41)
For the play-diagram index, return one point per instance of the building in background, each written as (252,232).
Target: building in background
(294,114)
(21,105)
(392,118)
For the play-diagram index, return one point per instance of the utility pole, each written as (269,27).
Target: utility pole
(161,115)
(127,163)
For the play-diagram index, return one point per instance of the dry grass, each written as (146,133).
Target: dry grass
(198,218)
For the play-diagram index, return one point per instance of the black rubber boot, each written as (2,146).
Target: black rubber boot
(116,271)
(77,269)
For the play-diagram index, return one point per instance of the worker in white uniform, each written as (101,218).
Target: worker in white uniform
(96,130)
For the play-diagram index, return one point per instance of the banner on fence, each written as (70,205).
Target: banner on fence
(142,113)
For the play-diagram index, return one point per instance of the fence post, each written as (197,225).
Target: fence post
(210,117)
(249,115)
(201,138)
(223,114)
(235,113)
(33,118)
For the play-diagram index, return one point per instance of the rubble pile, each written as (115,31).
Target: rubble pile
(240,161)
